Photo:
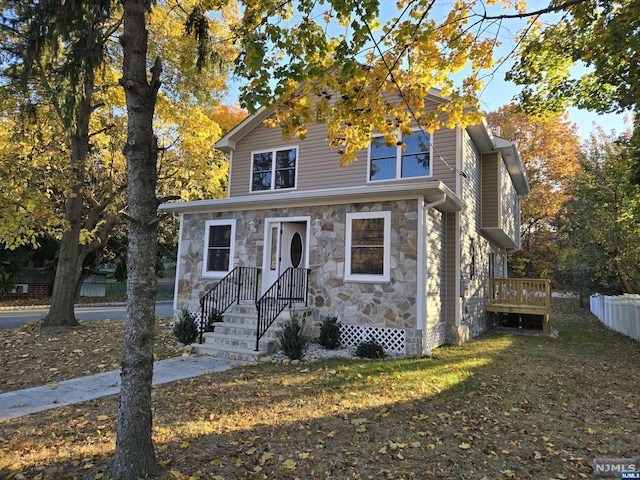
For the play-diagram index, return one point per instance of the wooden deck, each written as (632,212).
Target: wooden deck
(525,296)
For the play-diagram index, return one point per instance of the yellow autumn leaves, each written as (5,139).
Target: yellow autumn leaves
(382,86)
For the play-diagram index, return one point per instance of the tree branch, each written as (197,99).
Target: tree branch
(167,198)
(549,9)
(102,130)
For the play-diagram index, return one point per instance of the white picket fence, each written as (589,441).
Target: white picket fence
(620,313)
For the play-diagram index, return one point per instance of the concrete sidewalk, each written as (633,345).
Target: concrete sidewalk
(68,392)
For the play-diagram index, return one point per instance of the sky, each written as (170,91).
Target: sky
(498,91)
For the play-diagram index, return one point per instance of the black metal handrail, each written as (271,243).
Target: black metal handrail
(292,286)
(241,283)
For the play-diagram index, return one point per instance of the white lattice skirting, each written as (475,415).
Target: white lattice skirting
(196,316)
(392,339)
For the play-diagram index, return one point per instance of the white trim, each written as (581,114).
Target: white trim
(386,269)
(267,272)
(232,241)
(271,247)
(459,156)
(230,139)
(273,151)
(458,272)
(269,222)
(505,264)
(399,153)
(229,175)
(423,254)
(376,191)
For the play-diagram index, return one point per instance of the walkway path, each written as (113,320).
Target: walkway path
(68,392)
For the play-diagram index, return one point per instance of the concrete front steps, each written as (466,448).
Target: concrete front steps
(235,338)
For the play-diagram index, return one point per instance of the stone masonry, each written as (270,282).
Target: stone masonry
(382,305)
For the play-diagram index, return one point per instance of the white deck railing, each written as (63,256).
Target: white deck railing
(620,313)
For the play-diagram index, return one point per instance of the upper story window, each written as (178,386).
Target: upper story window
(274,169)
(411,158)
(219,237)
(368,247)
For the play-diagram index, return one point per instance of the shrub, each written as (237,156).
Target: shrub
(330,333)
(292,342)
(370,349)
(214,317)
(6,474)
(186,328)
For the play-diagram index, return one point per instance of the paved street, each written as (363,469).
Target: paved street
(16,318)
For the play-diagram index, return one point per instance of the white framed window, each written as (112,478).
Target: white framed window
(274,169)
(368,247)
(219,240)
(409,158)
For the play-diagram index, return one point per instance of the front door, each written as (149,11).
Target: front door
(292,248)
(285,246)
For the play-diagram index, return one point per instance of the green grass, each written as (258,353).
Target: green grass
(499,407)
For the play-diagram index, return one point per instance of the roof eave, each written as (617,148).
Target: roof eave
(485,141)
(228,142)
(432,190)
(514,164)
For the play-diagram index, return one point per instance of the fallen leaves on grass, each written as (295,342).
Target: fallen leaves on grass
(31,356)
(509,407)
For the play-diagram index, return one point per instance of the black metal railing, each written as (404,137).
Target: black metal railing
(241,283)
(292,287)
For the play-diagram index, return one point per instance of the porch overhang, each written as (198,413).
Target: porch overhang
(430,190)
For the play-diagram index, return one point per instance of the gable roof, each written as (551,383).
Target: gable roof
(228,142)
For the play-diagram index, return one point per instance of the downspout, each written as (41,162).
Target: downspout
(422,272)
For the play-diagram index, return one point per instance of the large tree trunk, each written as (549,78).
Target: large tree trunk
(135,455)
(624,278)
(69,265)
(61,311)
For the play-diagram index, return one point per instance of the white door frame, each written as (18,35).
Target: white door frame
(269,275)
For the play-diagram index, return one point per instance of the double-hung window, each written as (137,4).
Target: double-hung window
(219,237)
(274,169)
(368,243)
(411,157)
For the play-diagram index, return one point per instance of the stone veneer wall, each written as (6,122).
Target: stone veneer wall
(386,305)
(382,305)
(248,252)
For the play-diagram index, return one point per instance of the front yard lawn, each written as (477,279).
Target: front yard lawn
(500,407)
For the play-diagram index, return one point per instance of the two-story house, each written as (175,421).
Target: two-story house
(399,245)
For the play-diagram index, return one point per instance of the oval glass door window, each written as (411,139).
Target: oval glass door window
(296,250)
